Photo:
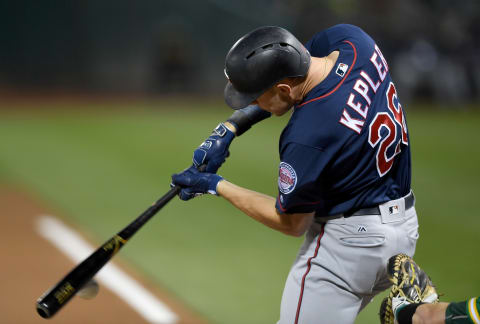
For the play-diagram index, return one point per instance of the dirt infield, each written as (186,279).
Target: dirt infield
(30,265)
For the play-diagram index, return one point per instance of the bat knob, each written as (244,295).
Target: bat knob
(42,310)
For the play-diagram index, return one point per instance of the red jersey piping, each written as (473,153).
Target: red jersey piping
(309,266)
(340,83)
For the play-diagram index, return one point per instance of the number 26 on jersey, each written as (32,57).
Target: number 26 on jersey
(396,128)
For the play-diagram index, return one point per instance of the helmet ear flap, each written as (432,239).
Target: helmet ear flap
(260,59)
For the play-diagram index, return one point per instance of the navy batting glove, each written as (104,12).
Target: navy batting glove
(214,150)
(195,183)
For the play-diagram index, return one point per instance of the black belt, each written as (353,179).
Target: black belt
(409,202)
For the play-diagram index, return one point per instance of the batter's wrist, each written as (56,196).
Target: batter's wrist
(213,185)
(221,186)
(231,127)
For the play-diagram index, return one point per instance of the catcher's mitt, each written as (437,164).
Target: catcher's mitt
(410,283)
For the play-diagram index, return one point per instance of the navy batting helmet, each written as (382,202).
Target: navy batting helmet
(260,59)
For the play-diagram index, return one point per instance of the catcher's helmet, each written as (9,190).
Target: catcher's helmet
(260,59)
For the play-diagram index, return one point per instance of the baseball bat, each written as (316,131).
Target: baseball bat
(55,298)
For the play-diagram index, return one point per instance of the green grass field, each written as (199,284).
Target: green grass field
(101,167)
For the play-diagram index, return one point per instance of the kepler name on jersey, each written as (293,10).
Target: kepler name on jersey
(361,87)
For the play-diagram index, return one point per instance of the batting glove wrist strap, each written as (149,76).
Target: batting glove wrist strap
(195,183)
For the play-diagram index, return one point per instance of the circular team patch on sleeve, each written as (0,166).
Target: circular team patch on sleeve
(287,178)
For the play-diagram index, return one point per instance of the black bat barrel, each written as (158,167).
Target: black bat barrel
(59,295)
(55,298)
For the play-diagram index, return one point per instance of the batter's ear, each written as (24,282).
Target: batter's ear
(284,88)
(285,91)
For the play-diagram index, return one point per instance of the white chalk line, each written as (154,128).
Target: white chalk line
(110,276)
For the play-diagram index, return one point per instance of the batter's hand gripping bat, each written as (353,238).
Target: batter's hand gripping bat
(55,298)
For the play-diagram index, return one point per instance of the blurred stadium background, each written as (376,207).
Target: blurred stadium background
(101,101)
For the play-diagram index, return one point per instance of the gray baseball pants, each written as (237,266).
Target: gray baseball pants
(341,265)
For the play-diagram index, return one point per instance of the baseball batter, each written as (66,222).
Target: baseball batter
(344,175)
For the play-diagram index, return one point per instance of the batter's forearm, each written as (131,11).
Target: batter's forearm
(243,119)
(261,207)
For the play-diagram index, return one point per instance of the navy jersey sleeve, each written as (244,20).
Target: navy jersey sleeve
(298,177)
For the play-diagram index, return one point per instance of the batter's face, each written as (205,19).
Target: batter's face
(277,100)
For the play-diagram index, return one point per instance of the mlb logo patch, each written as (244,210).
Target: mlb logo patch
(393,210)
(341,69)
